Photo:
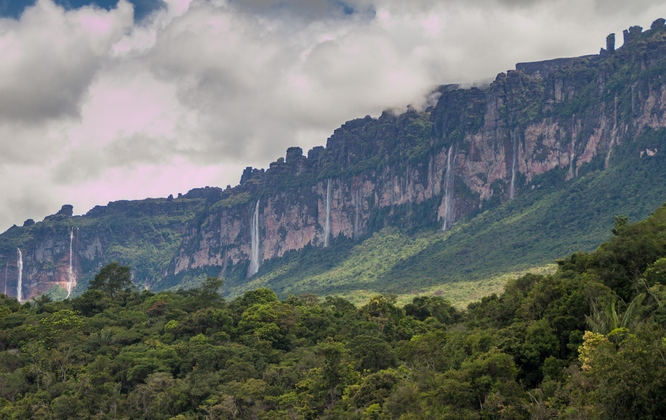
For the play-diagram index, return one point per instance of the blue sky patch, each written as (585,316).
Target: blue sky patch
(142,8)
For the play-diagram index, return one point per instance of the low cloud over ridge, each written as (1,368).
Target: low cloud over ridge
(97,107)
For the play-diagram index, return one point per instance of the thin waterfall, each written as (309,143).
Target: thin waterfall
(254,237)
(19,283)
(70,273)
(327,225)
(512,189)
(608,154)
(448,188)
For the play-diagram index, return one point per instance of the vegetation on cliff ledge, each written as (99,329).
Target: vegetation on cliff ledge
(585,342)
(553,218)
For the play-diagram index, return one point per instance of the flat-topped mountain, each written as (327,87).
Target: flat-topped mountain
(487,180)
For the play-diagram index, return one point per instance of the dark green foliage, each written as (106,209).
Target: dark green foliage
(116,353)
(372,353)
(587,342)
(374,388)
(112,280)
(426,306)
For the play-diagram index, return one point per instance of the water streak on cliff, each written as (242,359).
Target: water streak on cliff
(19,283)
(448,189)
(254,242)
(327,225)
(70,272)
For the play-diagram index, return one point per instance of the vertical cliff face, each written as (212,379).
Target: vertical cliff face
(558,115)
(474,149)
(65,251)
(368,172)
(44,262)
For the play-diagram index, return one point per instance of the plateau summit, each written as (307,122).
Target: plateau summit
(539,148)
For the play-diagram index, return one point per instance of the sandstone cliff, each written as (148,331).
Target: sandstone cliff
(474,149)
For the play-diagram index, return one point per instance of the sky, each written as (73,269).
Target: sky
(107,100)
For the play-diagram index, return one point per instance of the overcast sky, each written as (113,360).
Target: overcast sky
(98,105)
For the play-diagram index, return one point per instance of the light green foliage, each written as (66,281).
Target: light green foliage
(372,258)
(367,262)
(234,200)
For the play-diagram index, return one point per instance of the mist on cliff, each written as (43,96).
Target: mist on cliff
(96,106)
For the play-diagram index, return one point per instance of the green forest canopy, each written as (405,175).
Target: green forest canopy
(585,342)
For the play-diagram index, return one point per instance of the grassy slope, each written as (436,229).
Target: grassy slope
(547,223)
(475,258)
(460,293)
(361,264)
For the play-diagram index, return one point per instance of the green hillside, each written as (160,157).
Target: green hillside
(377,193)
(552,220)
(584,342)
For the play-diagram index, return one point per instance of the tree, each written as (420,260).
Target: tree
(627,373)
(333,372)
(620,223)
(372,353)
(423,307)
(211,286)
(112,279)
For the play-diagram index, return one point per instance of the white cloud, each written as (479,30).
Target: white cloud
(50,56)
(94,107)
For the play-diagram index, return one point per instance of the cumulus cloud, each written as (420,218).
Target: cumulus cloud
(50,57)
(97,107)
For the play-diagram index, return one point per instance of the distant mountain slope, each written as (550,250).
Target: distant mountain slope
(549,222)
(527,169)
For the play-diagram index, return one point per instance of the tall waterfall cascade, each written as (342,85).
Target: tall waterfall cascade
(71,278)
(19,283)
(448,190)
(6,270)
(254,237)
(327,224)
(512,188)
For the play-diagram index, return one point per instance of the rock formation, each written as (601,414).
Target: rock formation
(556,115)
